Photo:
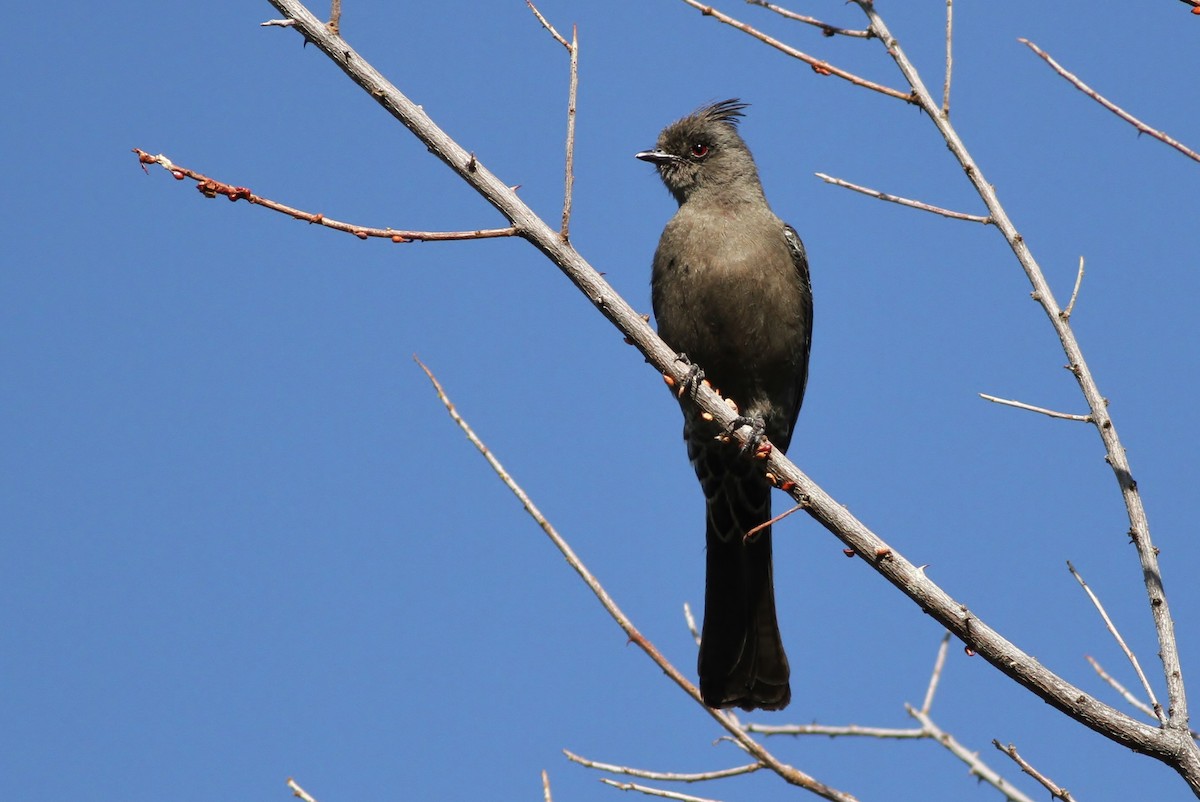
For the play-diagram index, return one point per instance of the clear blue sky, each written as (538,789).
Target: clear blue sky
(241,540)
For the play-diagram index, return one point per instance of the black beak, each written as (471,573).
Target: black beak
(657,156)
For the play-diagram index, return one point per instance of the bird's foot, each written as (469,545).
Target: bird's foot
(692,381)
(756,442)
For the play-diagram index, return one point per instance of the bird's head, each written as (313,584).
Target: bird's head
(704,152)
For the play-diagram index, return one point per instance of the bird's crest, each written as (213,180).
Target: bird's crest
(724,111)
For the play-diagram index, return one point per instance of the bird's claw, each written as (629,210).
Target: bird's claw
(756,442)
(691,382)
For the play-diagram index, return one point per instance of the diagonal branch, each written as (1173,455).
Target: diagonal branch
(1108,104)
(788,773)
(819,67)
(826,28)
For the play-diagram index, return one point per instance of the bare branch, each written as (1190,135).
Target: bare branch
(1031,408)
(837,731)
(1108,104)
(277,23)
(546,796)
(546,24)
(1056,791)
(335,17)
(665,775)
(690,620)
(1158,711)
(569,171)
(655,791)
(819,67)
(1066,313)
(1119,688)
(975,764)
(211,188)
(874,193)
(938,664)
(788,773)
(826,28)
(949,57)
(774,520)
(299,792)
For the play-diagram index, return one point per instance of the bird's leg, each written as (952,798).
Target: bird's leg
(691,382)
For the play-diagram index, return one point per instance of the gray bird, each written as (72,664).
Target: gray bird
(731,291)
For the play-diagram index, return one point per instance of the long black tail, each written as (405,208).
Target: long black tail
(742,662)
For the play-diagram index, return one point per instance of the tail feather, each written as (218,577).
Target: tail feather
(742,662)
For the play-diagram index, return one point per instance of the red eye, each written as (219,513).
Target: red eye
(699,150)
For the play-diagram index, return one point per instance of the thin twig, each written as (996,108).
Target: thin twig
(1042,410)
(820,67)
(645,789)
(569,171)
(277,23)
(1142,127)
(690,620)
(299,792)
(1158,711)
(790,774)
(335,17)
(837,731)
(1118,687)
(975,764)
(936,676)
(774,520)
(1056,791)
(573,49)
(546,796)
(211,188)
(665,776)
(949,57)
(874,193)
(1066,313)
(569,190)
(826,28)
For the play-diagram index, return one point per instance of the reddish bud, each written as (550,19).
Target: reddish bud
(848,552)
(968,651)
(360,234)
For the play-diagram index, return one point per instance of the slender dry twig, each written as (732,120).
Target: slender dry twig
(1158,711)
(667,776)
(826,28)
(975,764)
(277,23)
(690,621)
(949,57)
(874,193)
(1042,410)
(838,731)
(299,792)
(820,67)
(1118,687)
(1056,791)
(743,739)
(1066,313)
(211,188)
(546,796)
(645,789)
(1142,127)
(569,171)
(335,17)
(774,520)
(935,677)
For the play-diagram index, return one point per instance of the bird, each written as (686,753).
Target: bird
(731,293)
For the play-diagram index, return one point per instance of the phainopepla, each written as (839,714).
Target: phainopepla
(731,291)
